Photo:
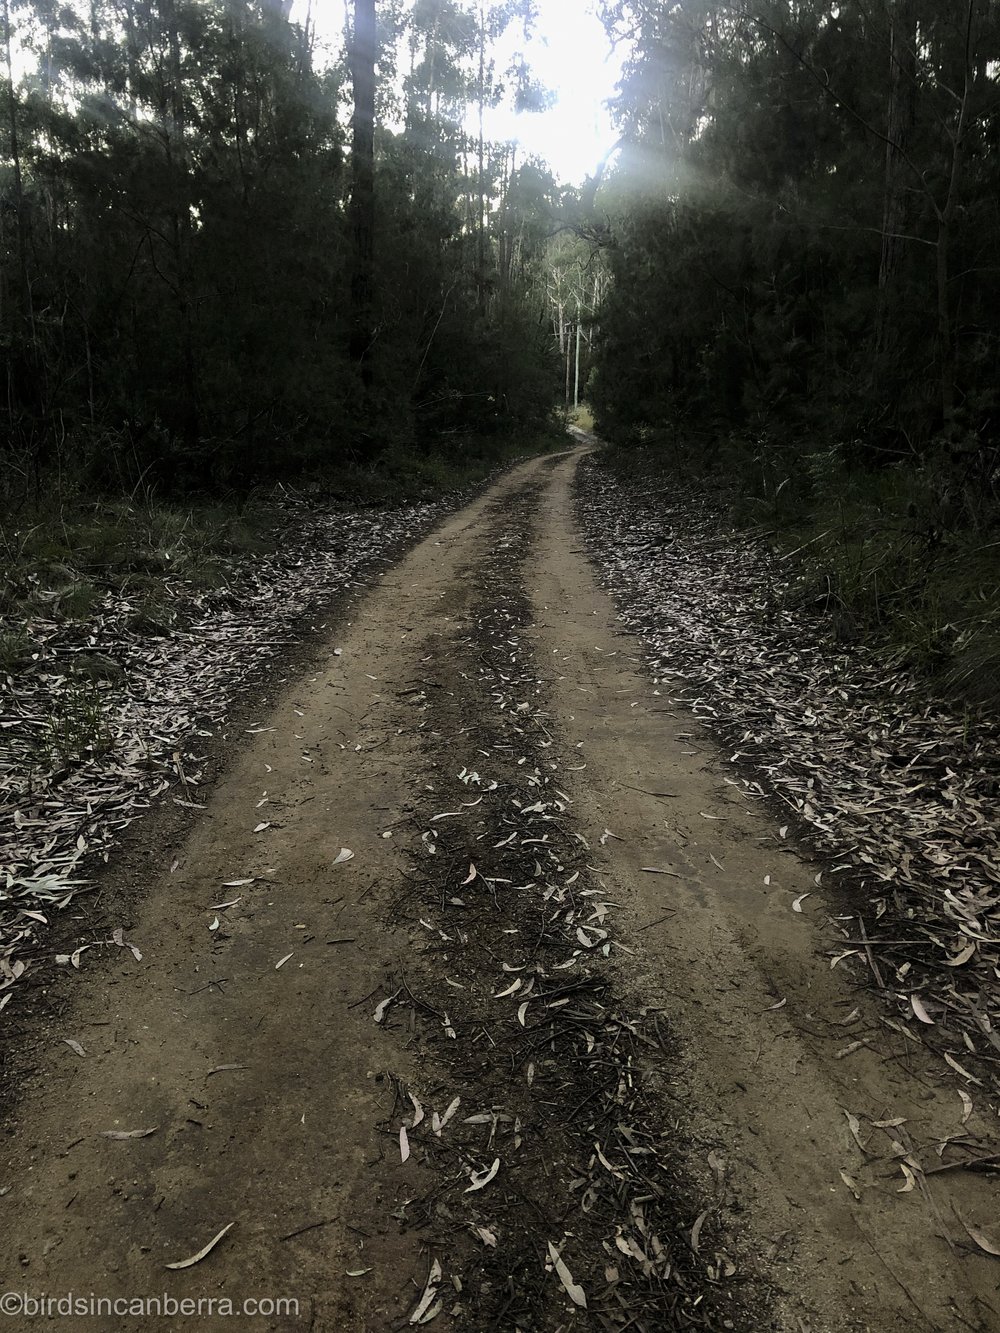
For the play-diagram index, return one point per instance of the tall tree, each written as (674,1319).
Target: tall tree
(362,58)
(823,171)
(191,293)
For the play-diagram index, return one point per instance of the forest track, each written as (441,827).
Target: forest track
(562,914)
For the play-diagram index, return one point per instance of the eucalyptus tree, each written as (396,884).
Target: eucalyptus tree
(198,287)
(807,205)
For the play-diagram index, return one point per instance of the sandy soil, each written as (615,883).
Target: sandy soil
(483,673)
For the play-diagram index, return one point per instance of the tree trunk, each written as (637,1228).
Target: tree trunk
(27,310)
(946,333)
(946,344)
(177,166)
(899,125)
(362,208)
(481,180)
(576,389)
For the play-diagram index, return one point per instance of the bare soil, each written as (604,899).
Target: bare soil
(662,1087)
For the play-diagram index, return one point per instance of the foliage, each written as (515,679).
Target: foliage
(805,255)
(176,256)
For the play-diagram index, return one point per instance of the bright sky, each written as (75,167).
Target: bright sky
(570,54)
(572,57)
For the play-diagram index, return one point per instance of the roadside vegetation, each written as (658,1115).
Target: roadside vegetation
(61,556)
(901,557)
(802,236)
(235,261)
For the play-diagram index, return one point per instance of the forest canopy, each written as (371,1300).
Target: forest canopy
(806,219)
(802,236)
(179,249)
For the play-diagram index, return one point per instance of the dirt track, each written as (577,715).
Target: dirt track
(682,1020)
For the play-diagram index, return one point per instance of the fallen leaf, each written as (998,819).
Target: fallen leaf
(74,1046)
(980,1238)
(438,1122)
(404,1144)
(480,1179)
(282,961)
(963,957)
(696,1230)
(909,1179)
(128,1133)
(854,1125)
(345,854)
(852,1185)
(917,1005)
(960,1069)
(605,1163)
(197,1258)
(849,1050)
(423,1312)
(797,904)
(573,1290)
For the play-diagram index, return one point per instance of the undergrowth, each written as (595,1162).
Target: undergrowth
(59,558)
(61,554)
(904,552)
(77,727)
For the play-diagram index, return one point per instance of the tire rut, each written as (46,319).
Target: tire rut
(564,1087)
(487,1067)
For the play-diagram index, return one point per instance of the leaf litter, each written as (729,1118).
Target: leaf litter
(159,696)
(538,1040)
(896,789)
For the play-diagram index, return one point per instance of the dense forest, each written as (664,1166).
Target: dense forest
(226,258)
(803,238)
(231,256)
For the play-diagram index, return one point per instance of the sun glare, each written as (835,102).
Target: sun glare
(570,54)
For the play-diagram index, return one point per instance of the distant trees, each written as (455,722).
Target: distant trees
(576,279)
(198,288)
(807,227)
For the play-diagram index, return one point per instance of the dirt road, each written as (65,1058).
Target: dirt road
(550,1050)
